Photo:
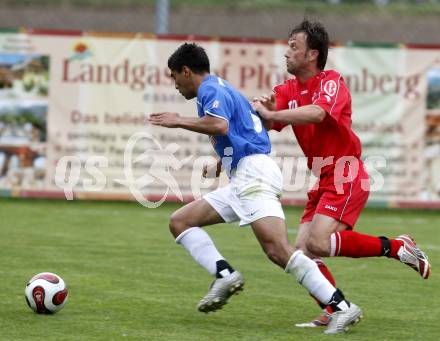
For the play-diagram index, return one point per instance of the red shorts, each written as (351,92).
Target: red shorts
(342,200)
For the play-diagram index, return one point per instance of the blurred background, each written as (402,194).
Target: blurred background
(401,21)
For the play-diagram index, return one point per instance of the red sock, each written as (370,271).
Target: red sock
(327,274)
(325,271)
(354,244)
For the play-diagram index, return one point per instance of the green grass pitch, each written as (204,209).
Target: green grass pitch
(128,280)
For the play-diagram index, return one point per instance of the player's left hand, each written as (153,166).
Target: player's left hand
(165,119)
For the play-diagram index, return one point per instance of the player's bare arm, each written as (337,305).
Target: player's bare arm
(299,116)
(209,125)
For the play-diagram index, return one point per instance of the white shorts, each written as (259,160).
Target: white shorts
(254,191)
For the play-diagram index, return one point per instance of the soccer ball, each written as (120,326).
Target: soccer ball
(46,293)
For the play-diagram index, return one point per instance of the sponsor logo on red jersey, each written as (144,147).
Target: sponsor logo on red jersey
(330,88)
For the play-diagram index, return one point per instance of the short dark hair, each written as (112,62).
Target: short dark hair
(190,55)
(317,39)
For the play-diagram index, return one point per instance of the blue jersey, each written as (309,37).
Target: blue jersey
(246,134)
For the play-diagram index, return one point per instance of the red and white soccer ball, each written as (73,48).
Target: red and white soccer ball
(46,293)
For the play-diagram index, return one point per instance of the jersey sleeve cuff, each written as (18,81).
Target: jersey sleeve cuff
(218,116)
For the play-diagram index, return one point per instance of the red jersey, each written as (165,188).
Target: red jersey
(331,137)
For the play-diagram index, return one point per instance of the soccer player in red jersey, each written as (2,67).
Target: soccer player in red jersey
(316,103)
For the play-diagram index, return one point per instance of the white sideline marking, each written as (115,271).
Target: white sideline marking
(429,247)
(92,211)
(407,220)
(291,230)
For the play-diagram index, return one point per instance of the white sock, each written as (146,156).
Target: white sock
(310,277)
(201,247)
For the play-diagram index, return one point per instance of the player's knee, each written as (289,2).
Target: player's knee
(316,246)
(177,224)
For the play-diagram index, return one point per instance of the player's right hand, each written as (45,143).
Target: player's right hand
(267,100)
(165,119)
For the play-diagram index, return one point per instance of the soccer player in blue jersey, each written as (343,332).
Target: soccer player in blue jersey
(252,195)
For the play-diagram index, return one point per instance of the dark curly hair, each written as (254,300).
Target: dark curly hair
(317,39)
(190,55)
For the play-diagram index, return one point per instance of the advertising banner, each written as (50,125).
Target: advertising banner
(74,116)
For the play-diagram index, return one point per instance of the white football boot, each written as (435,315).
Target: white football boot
(220,291)
(340,320)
